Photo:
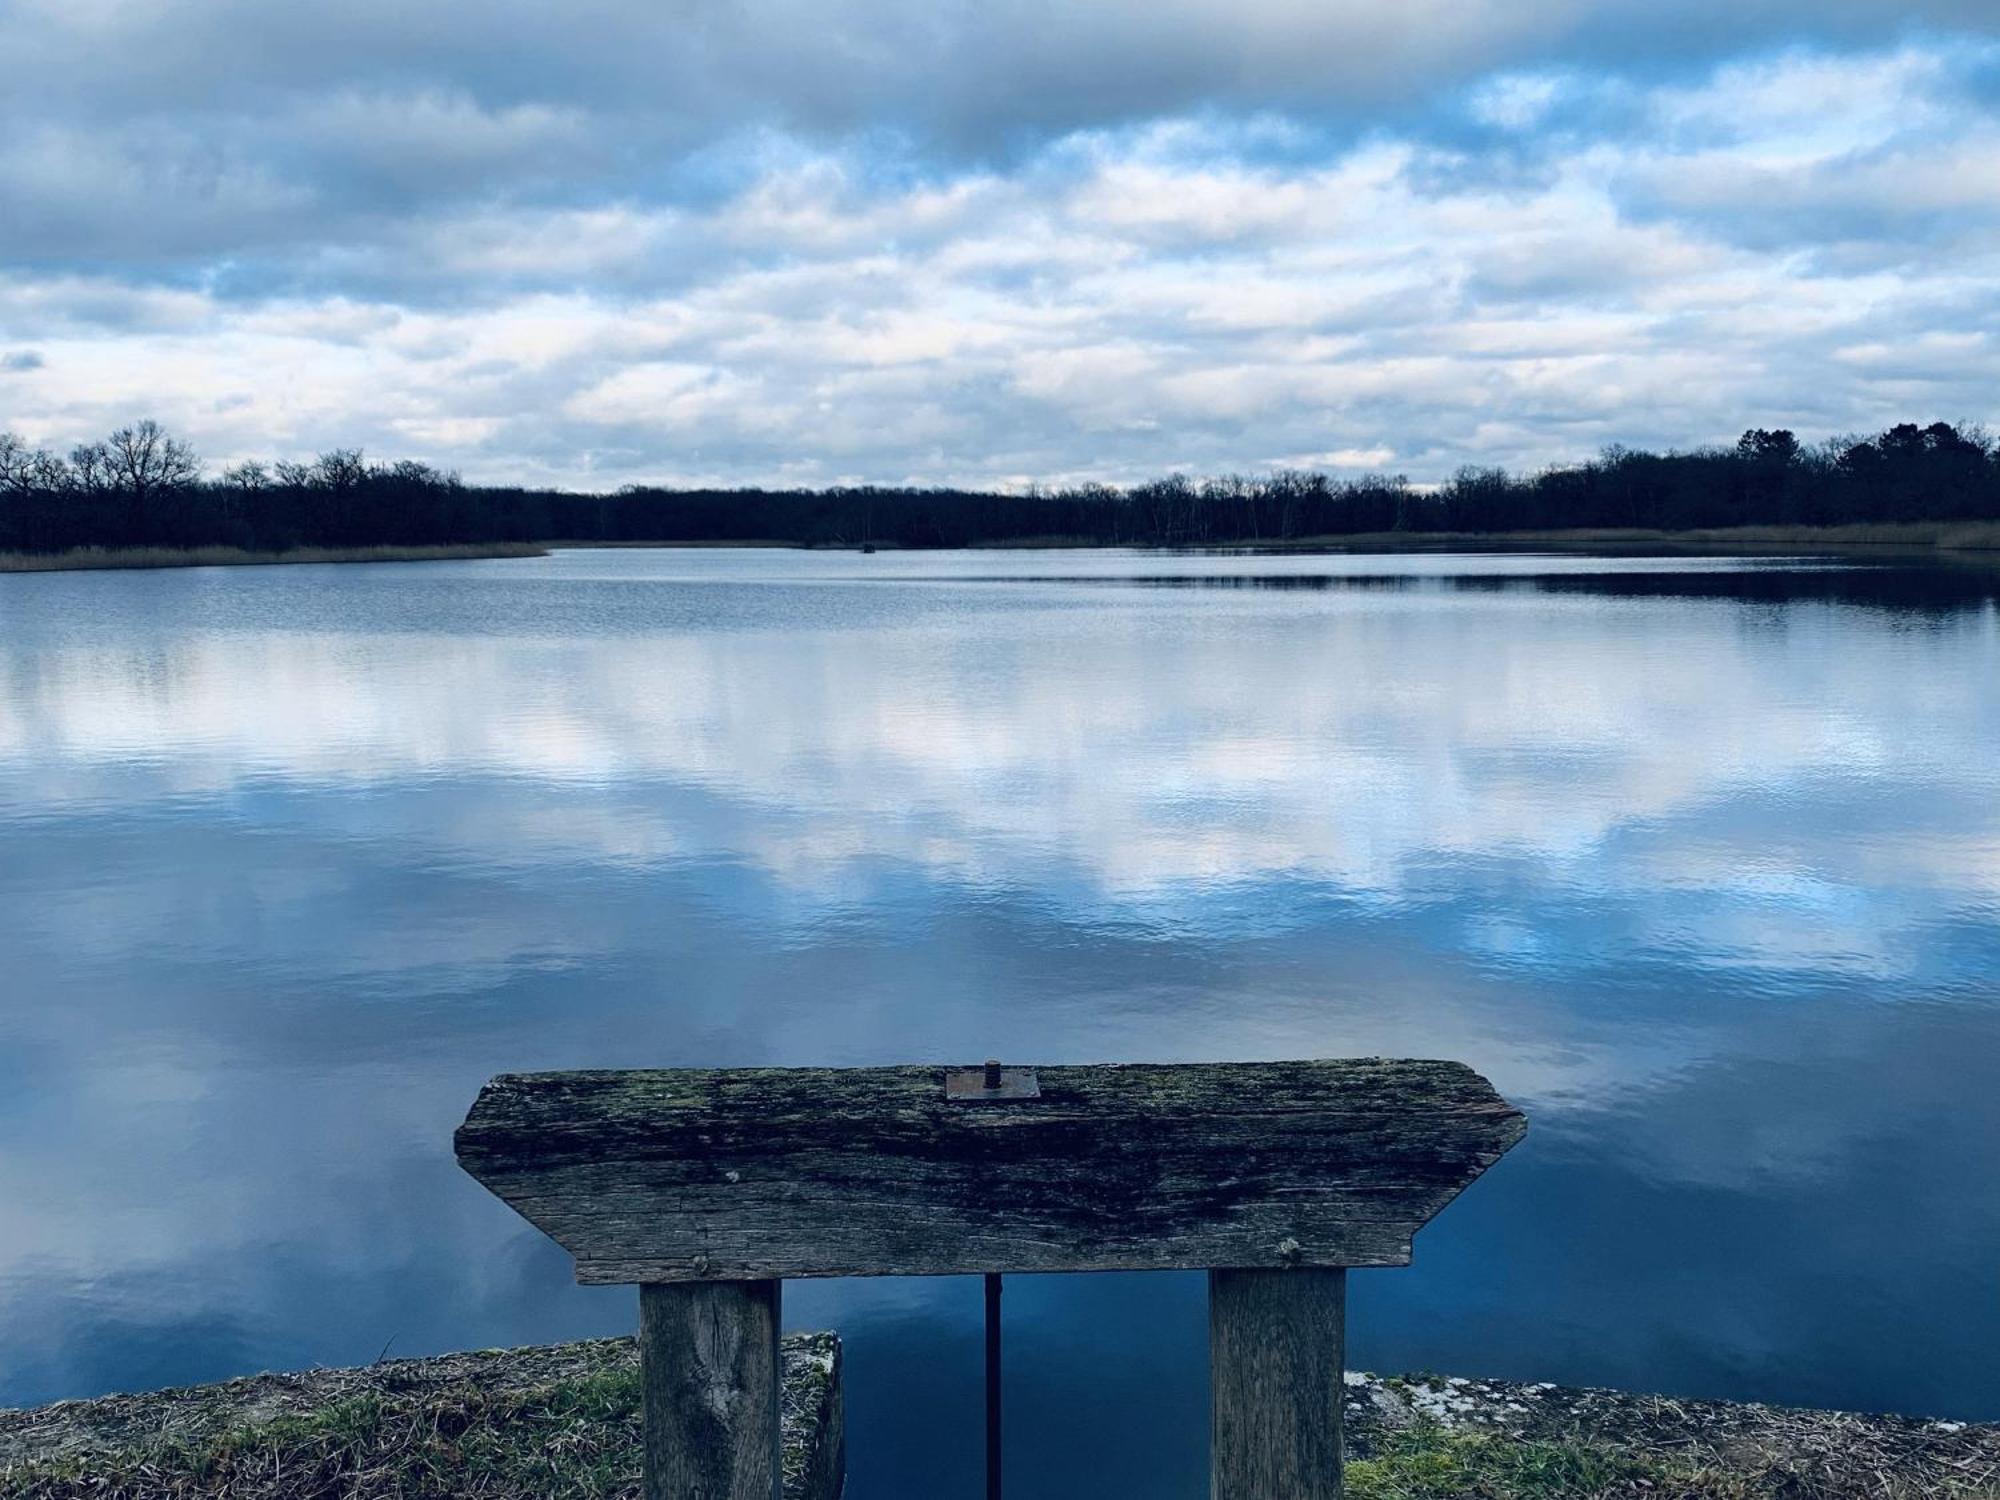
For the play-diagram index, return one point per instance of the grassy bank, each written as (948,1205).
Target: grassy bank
(1969,537)
(562,1422)
(1955,539)
(89,559)
(1916,536)
(559,1423)
(1437,1438)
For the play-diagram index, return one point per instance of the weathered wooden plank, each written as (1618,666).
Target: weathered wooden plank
(708,1353)
(1276,1342)
(687,1174)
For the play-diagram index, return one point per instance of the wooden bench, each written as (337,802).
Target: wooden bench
(707,1188)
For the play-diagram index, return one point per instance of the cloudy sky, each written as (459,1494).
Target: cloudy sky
(996,242)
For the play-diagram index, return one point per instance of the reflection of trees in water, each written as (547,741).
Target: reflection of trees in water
(1930,589)
(1921,590)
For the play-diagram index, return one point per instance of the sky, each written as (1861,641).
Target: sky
(998,243)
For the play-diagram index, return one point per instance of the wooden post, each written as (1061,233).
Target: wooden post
(1276,1347)
(710,1369)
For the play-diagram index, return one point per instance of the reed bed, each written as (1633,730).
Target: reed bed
(93,559)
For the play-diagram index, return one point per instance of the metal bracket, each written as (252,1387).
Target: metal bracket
(992,1082)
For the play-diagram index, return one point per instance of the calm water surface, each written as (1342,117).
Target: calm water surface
(1698,860)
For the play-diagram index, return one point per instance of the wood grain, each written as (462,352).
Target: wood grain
(708,1355)
(741,1174)
(1276,1346)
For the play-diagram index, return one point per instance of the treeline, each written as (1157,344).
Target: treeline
(143,487)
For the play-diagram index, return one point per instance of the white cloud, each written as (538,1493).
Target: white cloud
(1516,101)
(1203,292)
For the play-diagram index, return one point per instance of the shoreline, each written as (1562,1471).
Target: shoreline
(1917,538)
(1925,538)
(562,1421)
(534,1423)
(1957,541)
(121,559)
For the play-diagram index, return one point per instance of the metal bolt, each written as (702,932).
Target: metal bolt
(992,1079)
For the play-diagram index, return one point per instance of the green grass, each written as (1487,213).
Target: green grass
(578,1440)
(567,1428)
(1429,1462)
(558,1424)
(1433,1462)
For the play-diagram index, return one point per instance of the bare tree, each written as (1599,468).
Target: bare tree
(340,470)
(410,471)
(47,471)
(145,459)
(90,467)
(15,460)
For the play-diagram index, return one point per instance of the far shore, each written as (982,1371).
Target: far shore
(96,559)
(1911,536)
(1914,536)
(1955,538)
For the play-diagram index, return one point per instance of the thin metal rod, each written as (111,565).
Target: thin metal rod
(992,1387)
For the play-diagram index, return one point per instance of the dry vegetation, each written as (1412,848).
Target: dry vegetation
(88,559)
(563,1422)
(1433,1438)
(558,1423)
(1915,536)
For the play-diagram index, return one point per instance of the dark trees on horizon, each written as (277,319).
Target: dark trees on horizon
(142,487)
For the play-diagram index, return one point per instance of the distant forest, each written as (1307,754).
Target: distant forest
(143,487)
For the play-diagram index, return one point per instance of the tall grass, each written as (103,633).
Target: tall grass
(1914,536)
(87,559)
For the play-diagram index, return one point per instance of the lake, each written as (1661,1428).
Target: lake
(1697,859)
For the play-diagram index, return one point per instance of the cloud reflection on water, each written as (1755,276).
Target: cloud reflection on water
(1709,881)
